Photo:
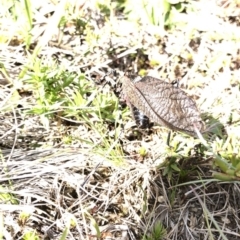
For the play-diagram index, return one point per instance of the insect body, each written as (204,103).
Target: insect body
(142,121)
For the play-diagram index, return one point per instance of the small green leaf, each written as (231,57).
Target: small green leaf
(175,167)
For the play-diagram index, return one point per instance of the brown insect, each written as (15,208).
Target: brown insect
(163,103)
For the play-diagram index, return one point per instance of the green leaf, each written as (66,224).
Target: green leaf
(175,167)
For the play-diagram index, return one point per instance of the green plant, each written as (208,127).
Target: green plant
(108,145)
(57,90)
(65,233)
(108,7)
(31,235)
(59,93)
(6,197)
(50,87)
(228,159)
(142,151)
(171,166)
(160,13)
(22,14)
(157,232)
(23,218)
(174,152)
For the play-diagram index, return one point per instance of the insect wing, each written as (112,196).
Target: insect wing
(169,105)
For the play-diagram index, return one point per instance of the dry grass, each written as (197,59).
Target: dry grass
(72,160)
